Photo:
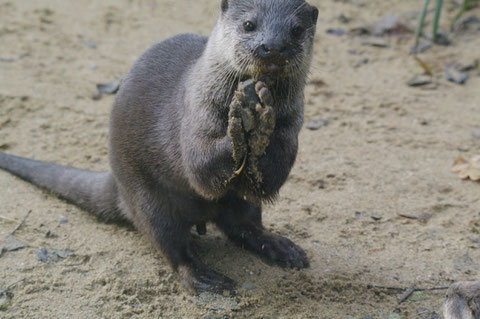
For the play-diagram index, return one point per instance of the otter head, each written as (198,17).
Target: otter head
(267,38)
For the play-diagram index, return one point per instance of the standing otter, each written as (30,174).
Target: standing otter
(202,130)
(463,300)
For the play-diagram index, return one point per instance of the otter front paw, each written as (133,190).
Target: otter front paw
(196,277)
(259,138)
(251,123)
(236,133)
(278,249)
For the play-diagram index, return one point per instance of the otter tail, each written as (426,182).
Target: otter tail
(93,191)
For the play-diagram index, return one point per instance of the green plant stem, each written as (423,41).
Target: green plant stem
(465,7)
(438,11)
(421,22)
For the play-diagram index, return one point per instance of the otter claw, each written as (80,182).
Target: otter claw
(264,94)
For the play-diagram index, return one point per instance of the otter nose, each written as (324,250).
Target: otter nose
(272,49)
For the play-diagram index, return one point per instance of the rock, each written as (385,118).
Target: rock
(110,87)
(421,47)
(42,254)
(316,124)
(470,23)
(454,75)
(362,62)
(336,31)
(419,80)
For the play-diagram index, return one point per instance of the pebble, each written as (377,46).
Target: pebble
(362,62)
(316,124)
(419,80)
(454,75)
(336,31)
(421,47)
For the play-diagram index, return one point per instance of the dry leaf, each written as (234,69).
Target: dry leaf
(467,169)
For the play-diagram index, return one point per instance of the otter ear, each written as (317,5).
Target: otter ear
(224,5)
(314,15)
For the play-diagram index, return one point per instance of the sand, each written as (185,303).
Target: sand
(387,150)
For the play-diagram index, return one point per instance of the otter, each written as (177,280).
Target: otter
(463,300)
(203,129)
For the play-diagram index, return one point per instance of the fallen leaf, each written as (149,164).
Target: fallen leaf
(467,169)
(425,66)
(417,296)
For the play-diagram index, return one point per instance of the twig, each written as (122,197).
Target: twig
(6,289)
(403,289)
(432,288)
(407,293)
(422,217)
(21,223)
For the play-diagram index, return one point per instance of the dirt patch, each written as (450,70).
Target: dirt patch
(382,149)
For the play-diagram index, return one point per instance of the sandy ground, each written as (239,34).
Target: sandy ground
(387,150)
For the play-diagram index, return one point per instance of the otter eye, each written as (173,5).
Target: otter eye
(297,31)
(249,26)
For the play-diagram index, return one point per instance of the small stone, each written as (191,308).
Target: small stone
(343,18)
(62,253)
(42,254)
(316,124)
(8,60)
(338,32)
(421,47)
(419,80)
(63,221)
(454,75)
(50,234)
(362,62)
(110,87)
